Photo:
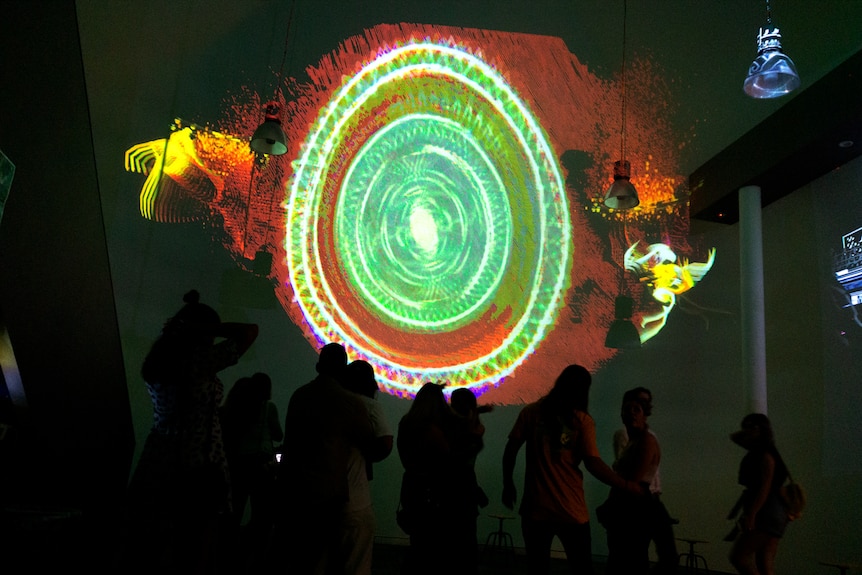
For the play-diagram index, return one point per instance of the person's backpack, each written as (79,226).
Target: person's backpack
(793,498)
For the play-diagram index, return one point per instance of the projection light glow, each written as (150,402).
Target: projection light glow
(666,277)
(421,216)
(427,213)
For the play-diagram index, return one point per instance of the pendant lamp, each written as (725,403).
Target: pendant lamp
(622,195)
(772,74)
(269,138)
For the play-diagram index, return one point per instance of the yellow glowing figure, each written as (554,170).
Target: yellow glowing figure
(195,161)
(667,277)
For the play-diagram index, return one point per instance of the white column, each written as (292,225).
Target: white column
(752,306)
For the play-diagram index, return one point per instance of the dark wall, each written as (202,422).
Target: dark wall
(74,439)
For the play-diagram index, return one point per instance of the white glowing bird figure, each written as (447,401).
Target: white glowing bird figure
(667,277)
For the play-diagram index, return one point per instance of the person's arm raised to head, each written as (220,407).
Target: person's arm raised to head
(243,333)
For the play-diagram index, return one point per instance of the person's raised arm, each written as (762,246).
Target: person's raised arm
(243,333)
(510,456)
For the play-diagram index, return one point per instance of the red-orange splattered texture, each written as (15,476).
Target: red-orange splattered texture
(577,110)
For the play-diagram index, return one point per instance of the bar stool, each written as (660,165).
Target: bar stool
(693,559)
(500,543)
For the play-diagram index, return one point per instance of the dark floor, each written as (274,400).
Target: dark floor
(388,559)
(39,542)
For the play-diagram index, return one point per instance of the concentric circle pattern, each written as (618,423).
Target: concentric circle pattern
(424,225)
(427,223)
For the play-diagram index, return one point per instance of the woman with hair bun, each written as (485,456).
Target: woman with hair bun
(180,492)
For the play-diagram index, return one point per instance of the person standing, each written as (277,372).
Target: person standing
(661,523)
(559,434)
(179,494)
(463,402)
(324,422)
(438,488)
(762,516)
(356,542)
(628,518)
(251,428)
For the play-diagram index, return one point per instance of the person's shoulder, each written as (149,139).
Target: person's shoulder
(303,391)
(530,412)
(650,439)
(372,405)
(532,407)
(584,418)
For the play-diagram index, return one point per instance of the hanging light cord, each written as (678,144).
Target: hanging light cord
(623,76)
(768,13)
(284,53)
(276,100)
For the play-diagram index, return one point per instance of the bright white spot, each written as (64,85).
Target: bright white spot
(423,229)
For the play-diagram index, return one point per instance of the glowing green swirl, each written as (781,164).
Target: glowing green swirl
(424,223)
(426,203)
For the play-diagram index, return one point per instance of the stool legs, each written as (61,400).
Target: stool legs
(693,560)
(500,541)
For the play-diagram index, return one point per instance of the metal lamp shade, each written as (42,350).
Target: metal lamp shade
(269,138)
(773,73)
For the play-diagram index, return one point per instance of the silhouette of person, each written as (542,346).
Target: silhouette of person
(560,435)
(179,492)
(251,428)
(438,488)
(763,517)
(661,523)
(324,422)
(463,402)
(628,518)
(358,525)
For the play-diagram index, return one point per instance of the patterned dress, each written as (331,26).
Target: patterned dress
(182,471)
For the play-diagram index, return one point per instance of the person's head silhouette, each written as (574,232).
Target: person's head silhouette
(332,360)
(360,378)
(463,401)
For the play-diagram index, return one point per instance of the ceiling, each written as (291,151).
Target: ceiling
(168,51)
(816,132)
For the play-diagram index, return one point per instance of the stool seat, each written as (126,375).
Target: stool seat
(691,558)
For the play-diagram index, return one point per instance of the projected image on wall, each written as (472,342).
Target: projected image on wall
(439,209)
